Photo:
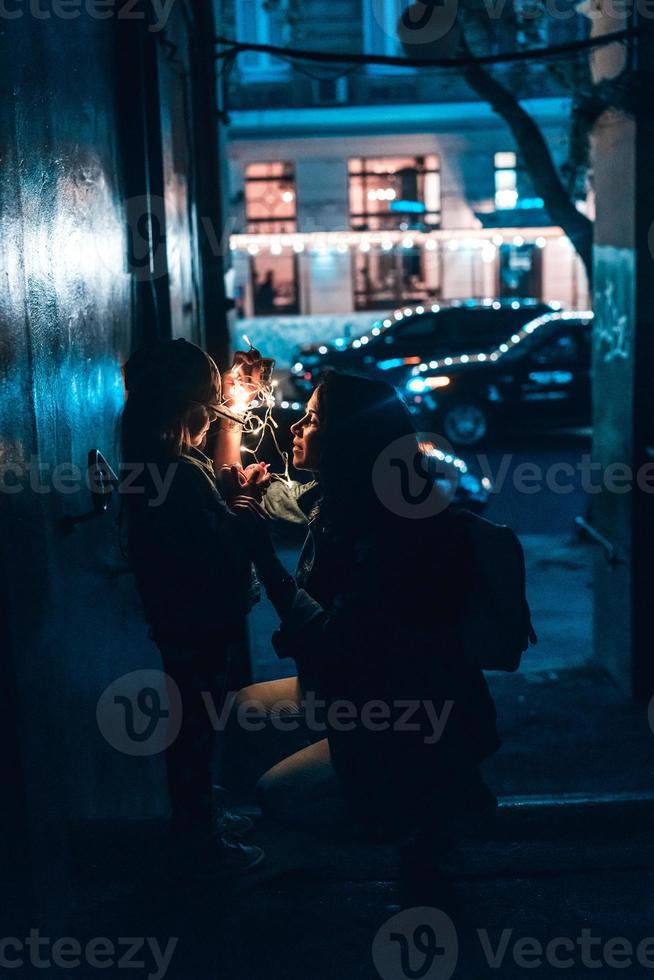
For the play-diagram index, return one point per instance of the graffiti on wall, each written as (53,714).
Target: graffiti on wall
(614,303)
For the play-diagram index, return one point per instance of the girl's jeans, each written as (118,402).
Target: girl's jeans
(189,759)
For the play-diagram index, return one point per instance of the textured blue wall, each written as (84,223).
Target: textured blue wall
(67,321)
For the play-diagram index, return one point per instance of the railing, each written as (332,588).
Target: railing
(609,549)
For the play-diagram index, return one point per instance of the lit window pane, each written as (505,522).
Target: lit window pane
(270,200)
(433,192)
(506,199)
(505,160)
(273,168)
(394,192)
(274,285)
(505,180)
(357,205)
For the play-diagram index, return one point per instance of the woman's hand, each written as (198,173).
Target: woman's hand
(257,478)
(252,482)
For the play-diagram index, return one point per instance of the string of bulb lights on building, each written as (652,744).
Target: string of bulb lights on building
(485,240)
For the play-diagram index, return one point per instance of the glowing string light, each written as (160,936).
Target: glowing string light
(245,397)
(502,349)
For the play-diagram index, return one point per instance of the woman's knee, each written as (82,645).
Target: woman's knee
(270,707)
(246,708)
(276,795)
(266,793)
(242,700)
(268,698)
(303,789)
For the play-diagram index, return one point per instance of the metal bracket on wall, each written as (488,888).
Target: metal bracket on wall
(609,549)
(101,481)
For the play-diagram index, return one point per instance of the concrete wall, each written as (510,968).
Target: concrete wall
(72,306)
(68,319)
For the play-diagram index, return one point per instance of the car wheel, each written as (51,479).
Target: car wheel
(465,424)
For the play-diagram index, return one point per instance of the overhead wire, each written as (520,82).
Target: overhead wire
(235,47)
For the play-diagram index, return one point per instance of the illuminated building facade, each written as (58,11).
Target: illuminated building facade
(389,186)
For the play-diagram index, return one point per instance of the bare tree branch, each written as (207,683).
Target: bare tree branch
(537,158)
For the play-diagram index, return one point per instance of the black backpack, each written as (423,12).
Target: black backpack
(497,626)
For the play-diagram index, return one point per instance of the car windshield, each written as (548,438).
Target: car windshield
(458,330)
(548,332)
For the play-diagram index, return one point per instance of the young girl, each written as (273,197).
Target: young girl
(192,570)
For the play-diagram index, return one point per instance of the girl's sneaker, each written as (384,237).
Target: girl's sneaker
(232,824)
(212,856)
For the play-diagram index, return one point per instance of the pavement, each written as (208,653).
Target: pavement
(541,881)
(559,881)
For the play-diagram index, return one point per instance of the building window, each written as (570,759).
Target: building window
(520,271)
(513,188)
(395,193)
(385,279)
(271,209)
(506,181)
(257,25)
(270,203)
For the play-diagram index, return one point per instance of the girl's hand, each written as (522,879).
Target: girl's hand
(241,383)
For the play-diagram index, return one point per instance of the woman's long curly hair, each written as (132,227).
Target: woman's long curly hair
(172,387)
(359,419)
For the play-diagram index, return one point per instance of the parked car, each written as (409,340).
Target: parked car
(537,376)
(413,335)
